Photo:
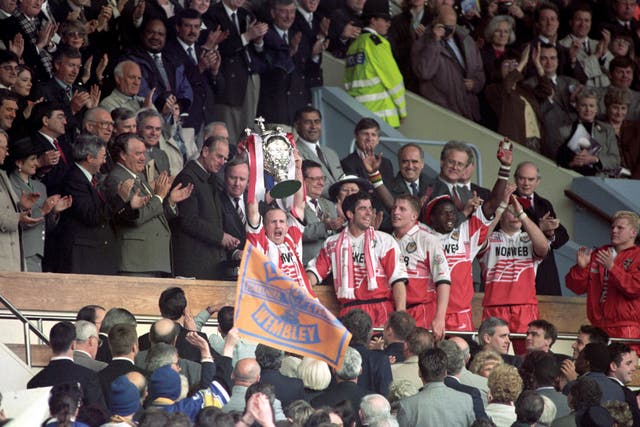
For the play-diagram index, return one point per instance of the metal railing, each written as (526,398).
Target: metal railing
(27,328)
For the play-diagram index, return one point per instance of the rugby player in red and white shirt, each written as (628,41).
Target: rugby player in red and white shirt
(509,263)
(462,241)
(279,234)
(367,271)
(422,254)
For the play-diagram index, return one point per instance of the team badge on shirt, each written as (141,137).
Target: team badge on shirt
(411,247)
(524,237)
(455,234)
(627,263)
(439,259)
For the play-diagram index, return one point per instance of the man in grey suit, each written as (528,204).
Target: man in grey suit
(436,404)
(145,241)
(466,376)
(319,212)
(87,343)
(308,125)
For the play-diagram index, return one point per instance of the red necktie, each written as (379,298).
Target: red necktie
(62,156)
(94,182)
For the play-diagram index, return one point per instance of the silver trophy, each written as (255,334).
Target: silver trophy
(278,152)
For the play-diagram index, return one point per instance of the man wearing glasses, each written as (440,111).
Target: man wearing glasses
(8,69)
(97,121)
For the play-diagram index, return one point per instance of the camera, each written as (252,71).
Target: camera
(503,7)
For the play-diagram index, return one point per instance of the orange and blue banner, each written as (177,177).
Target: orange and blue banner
(273,310)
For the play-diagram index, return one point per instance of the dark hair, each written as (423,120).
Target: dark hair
(172,303)
(121,144)
(308,164)
(93,415)
(596,334)
(268,357)
(64,402)
(116,316)
(305,110)
(212,141)
(211,416)
(88,313)
(187,14)
(62,336)
(410,145)
(42,110)
(529,406)
(598,357)
(121,114)
(550,331)
(275,3)
(581,7)
(401,323)
(121,338)
(546,6)
(620,62)
(617,350)
(8,56)
(539,369)
(153,417)
(346,412)
(349,203)
(358,322)
(419,341)
(66,52)
(366,123)
(433,365)
(225,318)
(584,393)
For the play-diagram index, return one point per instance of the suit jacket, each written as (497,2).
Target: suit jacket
(33,235)
(315,233)
(440,188)
(630,398)
(338,392)
(588,69)
(238,61)
(198,229)
(235,227)
(204,85)
(398,186)
(287,389)
(40,61)
(332,170)
(547,282)
(608,155)
(114,370)
(559,399)
(478,406)
(53,92)
(10,256)
(407,370)
(436,405)
(145,242)
(63,371)
(555,114)
(176,75)
(87,238)
(376,370)
(53,177)
(83,359)
(311,70)
(474,380)
(352,165)
(104,352)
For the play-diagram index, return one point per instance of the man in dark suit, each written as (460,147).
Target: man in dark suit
(621,371)
(236,178)
(114,316)
(87,240)
(346,386)
(241,55)
(160,70)
(198,237)
(64,90)
(455,363)
(283,89)
(61,368)
(624,21)
(346,25)
(540,210)
(314,29)
(201,66)
(287,389)
(123,341)
(145,241)
(410,178)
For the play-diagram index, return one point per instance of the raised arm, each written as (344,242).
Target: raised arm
(538,239)
(505,157)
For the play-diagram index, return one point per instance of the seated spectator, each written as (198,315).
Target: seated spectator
(449,66)
(315,375)
(621,73)
(346,386)
(61,368)
(125,95)
(505,385)
(124,121)
(529,408)
(627,131)
(114,316)
(97,121)
(374,408)
(590,146)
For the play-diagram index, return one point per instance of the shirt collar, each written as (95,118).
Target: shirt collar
(85,172)
(186,46)
(308,16)
(230,11)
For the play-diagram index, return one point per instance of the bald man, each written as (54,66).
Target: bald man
(128,78)
(246,373)
(448,66)
(467,377)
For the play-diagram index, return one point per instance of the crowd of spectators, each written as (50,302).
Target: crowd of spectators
(174,376)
